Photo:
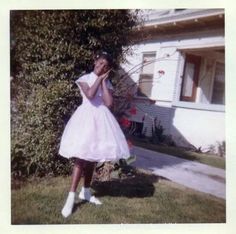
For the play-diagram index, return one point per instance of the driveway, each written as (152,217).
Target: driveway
(191,174)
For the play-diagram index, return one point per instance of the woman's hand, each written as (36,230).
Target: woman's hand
(104,76)
(91,91)
(107,97)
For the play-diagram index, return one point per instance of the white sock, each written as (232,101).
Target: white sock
(67,209)
(85,194)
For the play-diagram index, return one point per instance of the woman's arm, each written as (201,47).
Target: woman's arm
(107,96)
(91,91)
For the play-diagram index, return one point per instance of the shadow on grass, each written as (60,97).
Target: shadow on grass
(141,185)
(77,205)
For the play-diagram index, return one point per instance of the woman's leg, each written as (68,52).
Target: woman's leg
(88,173)
(85,193)
(76,175)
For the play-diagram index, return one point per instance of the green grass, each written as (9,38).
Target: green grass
(143,199)
(208,159)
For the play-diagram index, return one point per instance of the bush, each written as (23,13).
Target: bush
(49,50)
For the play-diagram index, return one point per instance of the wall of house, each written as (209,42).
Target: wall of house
(146,113)
(167,51)
(188,126)
(198,127)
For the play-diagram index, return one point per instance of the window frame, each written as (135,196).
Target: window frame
(176,102)
(142,75)
(213,83)
(196,60)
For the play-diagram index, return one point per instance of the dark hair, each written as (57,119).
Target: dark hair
(106,56)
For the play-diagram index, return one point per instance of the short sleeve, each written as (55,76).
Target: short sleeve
(83,78)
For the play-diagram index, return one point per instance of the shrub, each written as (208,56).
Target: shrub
(49,50)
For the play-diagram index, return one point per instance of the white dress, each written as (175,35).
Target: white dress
(92,133)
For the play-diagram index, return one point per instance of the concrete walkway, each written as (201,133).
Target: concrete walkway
(191,174)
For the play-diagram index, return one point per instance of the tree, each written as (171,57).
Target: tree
(49,50)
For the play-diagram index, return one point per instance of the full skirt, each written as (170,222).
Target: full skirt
(93,134)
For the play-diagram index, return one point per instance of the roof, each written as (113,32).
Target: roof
(161,17)
(169,22)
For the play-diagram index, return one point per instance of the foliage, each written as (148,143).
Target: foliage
(158,136)
(121,169)
(218,149)
(127,88)
(49,50)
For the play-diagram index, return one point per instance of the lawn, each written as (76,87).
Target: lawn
(143,199)
(212,160)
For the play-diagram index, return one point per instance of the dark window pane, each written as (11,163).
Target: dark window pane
(218,94)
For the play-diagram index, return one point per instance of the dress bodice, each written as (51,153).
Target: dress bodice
(90,79)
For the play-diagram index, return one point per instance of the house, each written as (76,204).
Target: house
(181,77)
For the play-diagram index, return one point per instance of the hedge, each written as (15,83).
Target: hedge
(50,49)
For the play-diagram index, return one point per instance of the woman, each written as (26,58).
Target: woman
(92,134)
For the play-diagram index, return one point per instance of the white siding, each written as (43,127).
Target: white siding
(188,126)
(164,86)
(164,114)
(198,127)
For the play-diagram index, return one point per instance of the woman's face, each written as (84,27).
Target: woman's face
(101,66)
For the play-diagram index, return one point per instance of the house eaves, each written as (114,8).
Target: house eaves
(181,16)
(186,21)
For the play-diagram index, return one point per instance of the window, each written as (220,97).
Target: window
(202,84)
(190,78)
(218,93)
(146,76)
